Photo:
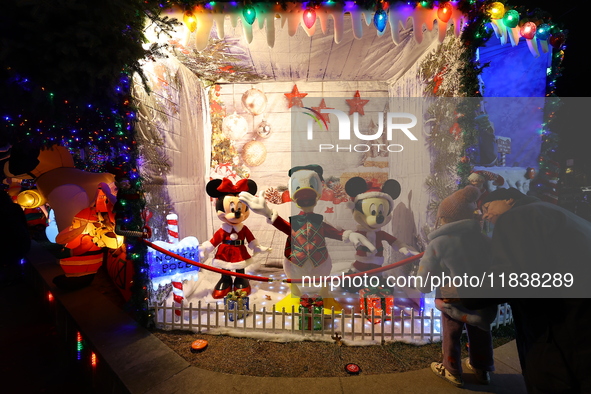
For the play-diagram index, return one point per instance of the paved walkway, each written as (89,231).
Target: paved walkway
(130,359)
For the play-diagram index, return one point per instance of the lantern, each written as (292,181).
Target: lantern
(234,126)
(511,19)
(528,30)
(254,153)
(309,17)
(254,101)
(444,12)
(30,199)
(496,10)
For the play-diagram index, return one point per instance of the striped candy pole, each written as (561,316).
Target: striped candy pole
(172,222)
(178,295)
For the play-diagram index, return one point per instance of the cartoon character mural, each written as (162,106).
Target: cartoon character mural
(233,236)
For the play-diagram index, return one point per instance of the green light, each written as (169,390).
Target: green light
(249,14)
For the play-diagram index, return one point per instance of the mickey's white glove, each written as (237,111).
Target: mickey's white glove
(357,239)
(256,204)
(204,250)
(403,248)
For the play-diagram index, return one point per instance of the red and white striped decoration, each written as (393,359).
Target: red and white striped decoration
(178,295)
(172,223)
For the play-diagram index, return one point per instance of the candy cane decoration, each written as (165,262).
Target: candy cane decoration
(172,221)
(178,295)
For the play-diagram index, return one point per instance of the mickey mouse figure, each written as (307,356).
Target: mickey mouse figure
(372,209)
(233,236)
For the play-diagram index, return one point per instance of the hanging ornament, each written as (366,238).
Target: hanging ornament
(444,12)
(264,129)
(528,30)
(234,126)
(309,17)
(190,21)
(557,39)
(295,97)
(530,173)
(465,159)
(254,101)
(496,10)
(356,104)
(249,14)
(254,153)
(380,19)
(324,117)
(543,31)
(511,18)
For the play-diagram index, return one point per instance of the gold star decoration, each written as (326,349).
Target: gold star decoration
(356,104)
(295,97)
(324,117)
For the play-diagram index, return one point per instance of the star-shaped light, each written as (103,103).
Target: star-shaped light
(324,117)
(356,104)
(295,97)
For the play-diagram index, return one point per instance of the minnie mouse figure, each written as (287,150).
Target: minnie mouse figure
(372,209)
(233,236)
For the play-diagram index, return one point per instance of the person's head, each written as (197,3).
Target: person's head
(458,206)
(498,202)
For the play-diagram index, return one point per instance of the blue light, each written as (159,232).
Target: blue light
(380,19)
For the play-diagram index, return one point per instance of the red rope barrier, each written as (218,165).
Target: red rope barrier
(265,279)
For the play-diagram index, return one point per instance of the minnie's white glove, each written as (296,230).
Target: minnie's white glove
(256,248)
(204,250)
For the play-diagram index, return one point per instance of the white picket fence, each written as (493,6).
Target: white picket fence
(409,324)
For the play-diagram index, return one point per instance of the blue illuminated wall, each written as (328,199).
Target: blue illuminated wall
(514,88)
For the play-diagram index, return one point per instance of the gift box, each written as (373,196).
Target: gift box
(238,304)
(309,305)
(376,300)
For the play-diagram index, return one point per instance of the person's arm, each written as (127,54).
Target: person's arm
(428,267)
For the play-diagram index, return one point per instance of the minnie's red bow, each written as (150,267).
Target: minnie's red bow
(228,187)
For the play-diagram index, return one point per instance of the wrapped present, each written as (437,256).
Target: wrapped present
(238,304)
(309,305)
(376,299)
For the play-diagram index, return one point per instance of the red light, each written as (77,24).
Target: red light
(49,297)
(309,17)
(93,359)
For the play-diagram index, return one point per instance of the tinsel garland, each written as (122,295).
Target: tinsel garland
(223,150)
(216,63)
(441,71)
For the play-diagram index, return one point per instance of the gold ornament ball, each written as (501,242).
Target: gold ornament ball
(254,101)
(254,153)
